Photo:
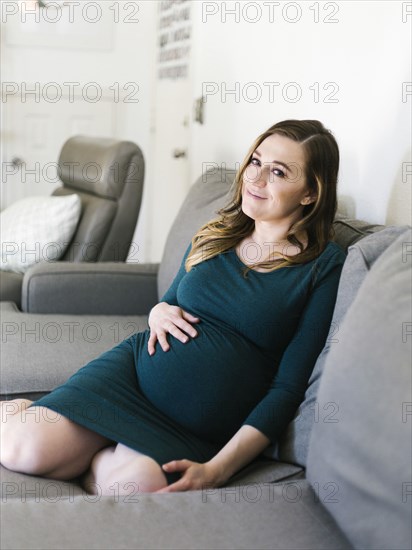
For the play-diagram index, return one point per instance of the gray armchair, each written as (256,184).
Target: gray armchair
(110,208)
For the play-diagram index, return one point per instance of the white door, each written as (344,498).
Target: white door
(40,114)
(34,133)
(172,119)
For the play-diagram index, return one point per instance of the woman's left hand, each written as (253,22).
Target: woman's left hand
(194,476)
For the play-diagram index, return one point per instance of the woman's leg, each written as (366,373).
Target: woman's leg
(39,441)
(121,470)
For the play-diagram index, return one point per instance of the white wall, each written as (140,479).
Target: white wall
(366,53)
(126,58)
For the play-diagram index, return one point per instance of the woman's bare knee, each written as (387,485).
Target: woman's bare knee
(39,441)
(123,471)
(11,412)
(12,407)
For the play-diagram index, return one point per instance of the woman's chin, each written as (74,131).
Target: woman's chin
(249,212)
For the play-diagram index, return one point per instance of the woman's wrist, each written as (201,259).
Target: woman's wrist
(240,450)
(217,472)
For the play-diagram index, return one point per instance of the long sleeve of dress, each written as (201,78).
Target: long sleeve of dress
(170,296)
(273,413)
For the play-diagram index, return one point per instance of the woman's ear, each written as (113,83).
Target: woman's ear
(310,197)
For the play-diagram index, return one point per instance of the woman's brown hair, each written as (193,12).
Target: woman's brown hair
(321,171)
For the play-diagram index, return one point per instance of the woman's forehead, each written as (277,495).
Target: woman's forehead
(281,148)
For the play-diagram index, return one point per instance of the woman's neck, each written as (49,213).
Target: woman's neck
(270,241)
(267,233)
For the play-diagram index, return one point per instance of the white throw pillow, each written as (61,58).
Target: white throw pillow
(37,229)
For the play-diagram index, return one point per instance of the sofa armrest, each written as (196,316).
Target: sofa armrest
(102,288)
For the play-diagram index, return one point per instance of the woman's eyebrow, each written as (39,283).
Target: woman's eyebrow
(275,161)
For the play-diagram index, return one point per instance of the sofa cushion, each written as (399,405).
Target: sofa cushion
(98,166)
(37,229)
(39,351)
(206,196)
(349,230)
(11,287)
(94,225)
(366,452)
(293,446)
(15,485)
(281,516)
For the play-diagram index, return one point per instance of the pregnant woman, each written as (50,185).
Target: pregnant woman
(225,363)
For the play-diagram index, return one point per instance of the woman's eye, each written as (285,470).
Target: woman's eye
(254,161)
(278,172)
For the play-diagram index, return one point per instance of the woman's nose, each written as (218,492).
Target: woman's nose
(260,179)
(257,176)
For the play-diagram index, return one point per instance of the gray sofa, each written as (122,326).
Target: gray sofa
(107,174)
(340,477)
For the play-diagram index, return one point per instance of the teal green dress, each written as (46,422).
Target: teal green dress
(258,340)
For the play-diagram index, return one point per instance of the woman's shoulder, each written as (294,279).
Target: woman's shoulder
(333,255)
(333,250)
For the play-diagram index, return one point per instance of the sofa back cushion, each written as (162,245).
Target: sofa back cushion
(294,444)
(207,195)
(360,464)
(108,176)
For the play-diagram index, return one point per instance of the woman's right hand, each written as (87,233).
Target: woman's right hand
(164,319)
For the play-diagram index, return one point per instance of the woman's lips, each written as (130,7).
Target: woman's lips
(258,197)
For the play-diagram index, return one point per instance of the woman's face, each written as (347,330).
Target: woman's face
(274,184)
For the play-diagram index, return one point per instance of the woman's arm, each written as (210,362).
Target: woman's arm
(242,448)
(167,317)
(170,296)
(273,413)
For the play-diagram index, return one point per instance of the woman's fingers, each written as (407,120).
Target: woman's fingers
(165,319)
(194,476)
(152,342)
(175,331)
(177,465)
(185,325)
(162,338)
(189,317)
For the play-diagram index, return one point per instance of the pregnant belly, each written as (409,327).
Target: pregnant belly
(208,385)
